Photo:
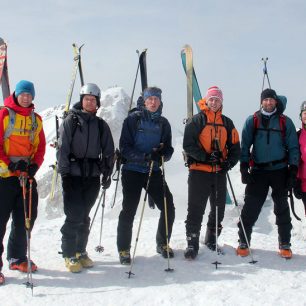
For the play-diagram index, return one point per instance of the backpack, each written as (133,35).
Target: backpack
(282,124)
(76,123)
(12,118)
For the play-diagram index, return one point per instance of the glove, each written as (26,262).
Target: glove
(21,165)
(297,190)
(67,182)
(226,166)
(106,182)
(291,180)
(246,177)
(156,156)
(214,157)
(32,169)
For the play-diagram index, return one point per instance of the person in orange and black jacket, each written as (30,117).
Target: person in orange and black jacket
(212,147)
(21,150)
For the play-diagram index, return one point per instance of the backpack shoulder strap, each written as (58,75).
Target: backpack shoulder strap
(282,124)
(10,127)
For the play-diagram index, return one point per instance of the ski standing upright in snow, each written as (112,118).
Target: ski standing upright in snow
(4,79)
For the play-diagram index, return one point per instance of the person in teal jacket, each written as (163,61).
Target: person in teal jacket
(269,158)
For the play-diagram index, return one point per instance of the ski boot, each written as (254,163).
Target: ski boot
(243,250)
(192,249)
(73,265)
(84,260)
(285,251)
(2,279)
(162,249)
(125,257)
(21,265)
(210,240)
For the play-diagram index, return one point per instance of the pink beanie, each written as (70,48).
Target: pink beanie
(215,92)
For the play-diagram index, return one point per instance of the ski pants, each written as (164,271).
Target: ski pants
(255,196)
(201,186)
(12,205)
(132,184)
(78,201)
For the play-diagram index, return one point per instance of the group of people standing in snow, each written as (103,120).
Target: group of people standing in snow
(271,154)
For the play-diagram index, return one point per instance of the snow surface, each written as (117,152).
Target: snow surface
(271,281)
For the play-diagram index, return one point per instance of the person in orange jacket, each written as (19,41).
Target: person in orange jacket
(211,144)
(22,150)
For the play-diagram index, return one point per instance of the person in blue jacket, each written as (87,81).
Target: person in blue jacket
(272,162)
(145,137)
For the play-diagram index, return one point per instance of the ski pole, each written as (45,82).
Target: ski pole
(166,214)
(135,80)
(265,71)
(98,205)
(116,179)
(240,219)
(290,196)
(27,218)
(141,217)
(100,248)
(217,147)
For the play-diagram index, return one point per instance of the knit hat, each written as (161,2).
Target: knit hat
(214,92)
(152,91)
(25,86)
(268,93)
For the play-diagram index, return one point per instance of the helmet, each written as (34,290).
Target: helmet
(91,89)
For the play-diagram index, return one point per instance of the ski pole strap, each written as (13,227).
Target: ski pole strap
(292,205)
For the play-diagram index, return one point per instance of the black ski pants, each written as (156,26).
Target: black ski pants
(132,184)
(255,197)
(201,186)
(12,205)
(79,198)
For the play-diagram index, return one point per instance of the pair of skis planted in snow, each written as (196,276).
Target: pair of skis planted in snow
(193,89)
(77,66)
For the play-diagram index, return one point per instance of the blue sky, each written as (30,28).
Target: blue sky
(228,38)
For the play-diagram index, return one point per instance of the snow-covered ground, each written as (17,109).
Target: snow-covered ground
(271,281)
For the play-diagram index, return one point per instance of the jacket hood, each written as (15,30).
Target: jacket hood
(281,104)
(204,107)
(11,102)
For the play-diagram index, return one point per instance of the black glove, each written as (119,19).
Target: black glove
(156,156)
(291,180)
(32,169)
(67,182)
(21,165)
(297,190)
(246,177)
(106,182)
(214,157)
(226,166)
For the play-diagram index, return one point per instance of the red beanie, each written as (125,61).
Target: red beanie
(214,91)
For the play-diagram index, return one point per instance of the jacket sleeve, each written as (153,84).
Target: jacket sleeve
(127,141)
(4,159)
(166,139)
(247,140)
(39,143)
(108,149)
(233,144)
(191,143)
(64,143)
(292,143)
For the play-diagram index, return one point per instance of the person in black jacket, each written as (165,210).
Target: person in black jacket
(86,152)
(145,137)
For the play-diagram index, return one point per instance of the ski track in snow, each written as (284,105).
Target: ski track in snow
(271,281)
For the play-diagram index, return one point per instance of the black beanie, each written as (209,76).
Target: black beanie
(268,93)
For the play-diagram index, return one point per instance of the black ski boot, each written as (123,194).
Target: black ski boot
(210,239)
(192,249)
